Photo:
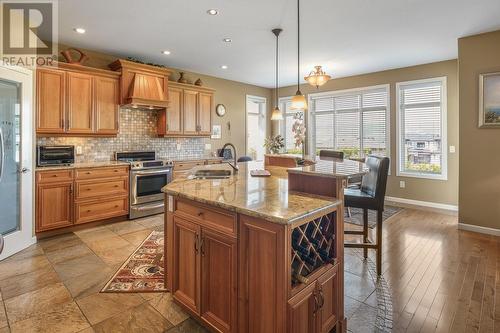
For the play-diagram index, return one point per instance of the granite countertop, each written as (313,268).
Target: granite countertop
(262,197)
(333,168)
(187,159)
(83,165)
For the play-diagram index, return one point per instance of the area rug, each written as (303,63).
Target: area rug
(143,271)
(357,216)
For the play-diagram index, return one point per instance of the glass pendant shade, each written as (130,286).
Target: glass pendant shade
(277,114)
(317,77)
(299,102)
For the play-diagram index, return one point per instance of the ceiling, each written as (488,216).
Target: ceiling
(347,37)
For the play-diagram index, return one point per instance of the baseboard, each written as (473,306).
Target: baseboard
(479,229)
(426,204)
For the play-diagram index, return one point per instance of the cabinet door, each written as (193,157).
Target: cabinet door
(218,286)
(190,110)
(107,95)
(205,114)
(302,311)
(174,111)
(50,91)
(327,299)
(54,204)
(80,104)
(186,279)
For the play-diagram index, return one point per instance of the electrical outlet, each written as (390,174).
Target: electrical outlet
(402,184)
(208,146)
(452,149)
(79,150)
(178,146)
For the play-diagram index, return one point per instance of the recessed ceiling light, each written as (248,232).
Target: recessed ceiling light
(227,40)
(79,30)
(224,67)
(212,12)
(166,52)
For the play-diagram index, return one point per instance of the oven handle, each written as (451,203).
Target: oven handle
(154,172)
(141,208)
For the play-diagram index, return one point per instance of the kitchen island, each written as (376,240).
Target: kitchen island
(249,254)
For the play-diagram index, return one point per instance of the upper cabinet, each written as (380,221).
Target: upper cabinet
(77,101)
(189,112)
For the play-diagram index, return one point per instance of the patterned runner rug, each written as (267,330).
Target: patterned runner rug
(143,270)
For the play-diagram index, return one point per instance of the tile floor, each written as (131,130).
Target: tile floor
(54,285)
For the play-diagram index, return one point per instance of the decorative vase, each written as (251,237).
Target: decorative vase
(182,79)
(67,54)
(198,83)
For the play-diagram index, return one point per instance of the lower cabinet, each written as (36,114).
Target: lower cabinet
(205,273)
(302,311)
(54,205)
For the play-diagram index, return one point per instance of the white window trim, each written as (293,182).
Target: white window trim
(337,93)
(282,130)
(444,130)
(258,99)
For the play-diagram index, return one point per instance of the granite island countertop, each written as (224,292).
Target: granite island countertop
(332,167)
(262,197)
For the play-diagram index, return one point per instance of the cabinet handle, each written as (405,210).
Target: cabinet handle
(322,298)
(196,243)
(71,189)
(200,214)
(202,246)
(315,303)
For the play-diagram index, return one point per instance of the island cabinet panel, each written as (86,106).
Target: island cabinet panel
(302,311)
(186,282)
(263,278)
(80,103)
(219,288)
(107,91)
(327,300)
(50,97)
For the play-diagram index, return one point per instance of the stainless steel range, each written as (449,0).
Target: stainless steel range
(147,177)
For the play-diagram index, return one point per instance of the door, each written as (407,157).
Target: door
(54,205)
(302,311)
(205,114)
(218,271)
(50,101)
(80,103)
(106,106)
(174,111)
(327,288)
(186,282)
(256,127)
(16,162)
(190,102)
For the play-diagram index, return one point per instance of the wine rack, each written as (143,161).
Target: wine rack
(313,246)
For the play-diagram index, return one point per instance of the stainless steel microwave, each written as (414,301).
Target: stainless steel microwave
(55,155)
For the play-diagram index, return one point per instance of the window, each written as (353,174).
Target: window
(353,121)
(256,127)
(422,128)
(290,117)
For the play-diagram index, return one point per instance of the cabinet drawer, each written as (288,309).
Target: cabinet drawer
(43,177)
(98,209)
(92,173)
(187,165)
(92,189)
(217,220)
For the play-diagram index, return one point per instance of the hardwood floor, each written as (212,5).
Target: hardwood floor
(436,279)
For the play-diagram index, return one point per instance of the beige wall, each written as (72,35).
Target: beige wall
(479,198)
(230,93)
(438,191)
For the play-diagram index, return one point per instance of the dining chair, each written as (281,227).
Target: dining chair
(370,196)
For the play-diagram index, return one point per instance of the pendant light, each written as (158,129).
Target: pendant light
(298,101)
(317,77)
(277,113)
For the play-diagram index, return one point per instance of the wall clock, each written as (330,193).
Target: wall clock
(220,109)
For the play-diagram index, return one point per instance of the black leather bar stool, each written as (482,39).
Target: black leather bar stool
(1,243)
(331,154)
(370,195)
(244,159)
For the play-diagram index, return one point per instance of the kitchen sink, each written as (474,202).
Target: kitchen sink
(212,174)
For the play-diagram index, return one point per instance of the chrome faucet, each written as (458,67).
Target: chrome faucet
(234,165)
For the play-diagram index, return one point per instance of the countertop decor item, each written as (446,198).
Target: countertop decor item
(198,83)
(260,173)
(489,100)
(220,110)
(298,101)
(277,113)
(67,54)
(274,144)
(317,77)
(182,79)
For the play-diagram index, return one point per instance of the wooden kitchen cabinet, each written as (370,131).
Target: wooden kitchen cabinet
(302,311)
(107,92)
(50,92)
(327,296)
(190,112)
(170,121)
(205,113)
(80,103)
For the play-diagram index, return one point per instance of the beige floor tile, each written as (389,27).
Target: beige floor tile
(136,238)
(95,234)
(101,306)
(5,330)
(126,227)
(66,318)
(165,305)
(26,305)
(108,243)
(143,318)
(89,283)
(68,253)
(75,267)
(59,242)
(116,256)
(190,326)
(87,330)
(21,284)
(151,222)
(3,316)
(14,267)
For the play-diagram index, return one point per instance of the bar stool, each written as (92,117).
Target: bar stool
(244,159)
(1,243)
(370,195)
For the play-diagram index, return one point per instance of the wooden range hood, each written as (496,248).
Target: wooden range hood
(142,86)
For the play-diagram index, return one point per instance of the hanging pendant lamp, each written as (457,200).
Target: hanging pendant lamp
(298,101)
(277,113)
(317,77)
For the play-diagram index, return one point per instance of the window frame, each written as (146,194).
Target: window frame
(347,92)
(400,172)
(263,107)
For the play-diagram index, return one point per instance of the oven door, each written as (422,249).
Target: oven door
(146,185)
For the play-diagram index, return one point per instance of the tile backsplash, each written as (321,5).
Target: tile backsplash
(137,132)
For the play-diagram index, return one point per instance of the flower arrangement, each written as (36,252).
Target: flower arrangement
(274,144)
(299,129)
